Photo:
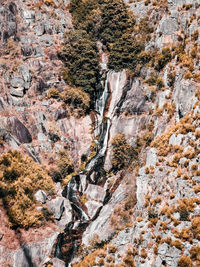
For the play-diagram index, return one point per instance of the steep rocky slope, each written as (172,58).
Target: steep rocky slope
(144,215)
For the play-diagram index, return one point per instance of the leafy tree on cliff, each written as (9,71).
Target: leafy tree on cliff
(122,152)
(82,61)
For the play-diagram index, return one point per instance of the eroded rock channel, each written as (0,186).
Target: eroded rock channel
(68,242)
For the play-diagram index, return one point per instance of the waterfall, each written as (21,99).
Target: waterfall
(100,104)
(105,108)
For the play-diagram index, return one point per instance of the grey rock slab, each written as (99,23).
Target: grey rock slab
(41,196)
(92,207)
(25,72)
(38,252)
(57,263)
(19,130)
(60,206)
(17,81)
(28,15)
(46,146)
(46,40)
(101,226)
(95,192)
(169,25)
(39,29)
(66,216)
(19,92)
(151,157)
(41,137)
(176,139)
(46,103)
(123,238)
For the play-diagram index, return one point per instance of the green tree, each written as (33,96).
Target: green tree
(122,152)
(82,61)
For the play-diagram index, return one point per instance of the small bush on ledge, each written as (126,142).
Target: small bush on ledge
(20,178)
(122,152)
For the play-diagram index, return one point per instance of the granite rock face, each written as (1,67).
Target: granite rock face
(159,120)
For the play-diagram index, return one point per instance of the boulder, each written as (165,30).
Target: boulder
(28,15)
(39,29)
(41,196)
(17,81)
(18,129)
(19,92)
(60,206)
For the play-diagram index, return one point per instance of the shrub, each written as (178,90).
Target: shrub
(64,163)
(177,244)
(152,80)
(164,58)
(196,227)
(76,98)
(53,93)
(171,78)
(195,252)
(20,178)
(81,59)
(122,152)
(184,261)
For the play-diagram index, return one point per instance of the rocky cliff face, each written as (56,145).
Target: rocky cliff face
(146,215)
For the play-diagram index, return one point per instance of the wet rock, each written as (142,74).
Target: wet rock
(101,226)
(41,196)
(18,129)
(135,100)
